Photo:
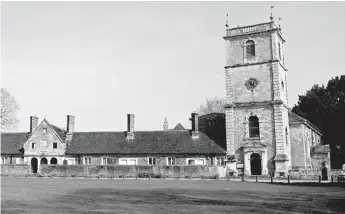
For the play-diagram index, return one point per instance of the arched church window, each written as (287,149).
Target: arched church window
(254,126)
(279,51)
(286,135)
(250,48)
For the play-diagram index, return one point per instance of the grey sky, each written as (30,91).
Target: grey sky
(102,60)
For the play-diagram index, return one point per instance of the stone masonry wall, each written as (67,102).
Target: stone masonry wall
(236,90)
(297,146)
(236,51)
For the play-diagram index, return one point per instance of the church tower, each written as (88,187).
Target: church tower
(257,123)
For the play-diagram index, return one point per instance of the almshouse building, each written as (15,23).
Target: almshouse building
(49,144)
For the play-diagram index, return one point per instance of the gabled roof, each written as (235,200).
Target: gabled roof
(12,143)
(294,118)
(179,127)
(144,143)
(59,131)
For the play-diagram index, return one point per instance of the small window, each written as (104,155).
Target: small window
(87,161)
(279,51)
(191,162)
(33,145)
(152,161)
(250,48)
(219,161)
(286,135)
(54,145)
(171,161)
(104,161)
(254,129)
(44,130)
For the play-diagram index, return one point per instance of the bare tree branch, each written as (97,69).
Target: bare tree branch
(9,110)
(212,105)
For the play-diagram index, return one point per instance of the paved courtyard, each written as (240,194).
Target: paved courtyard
(57,195)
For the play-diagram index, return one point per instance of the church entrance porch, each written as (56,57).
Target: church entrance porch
(255,164)
(34,165)
(255,158)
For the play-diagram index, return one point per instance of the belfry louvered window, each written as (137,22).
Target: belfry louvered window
(250,48)
(254,127)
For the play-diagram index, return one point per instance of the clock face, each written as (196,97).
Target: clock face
(251,83)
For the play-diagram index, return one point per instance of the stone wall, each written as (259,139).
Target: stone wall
(131,171)
(15,169)
(305,174)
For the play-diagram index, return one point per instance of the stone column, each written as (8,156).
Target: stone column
(246,163)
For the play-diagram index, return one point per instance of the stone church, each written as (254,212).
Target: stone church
(262,134)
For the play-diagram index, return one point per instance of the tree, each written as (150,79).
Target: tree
(212,105)
(325,108)
(9,110)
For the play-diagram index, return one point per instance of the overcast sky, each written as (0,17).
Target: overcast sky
(102,60)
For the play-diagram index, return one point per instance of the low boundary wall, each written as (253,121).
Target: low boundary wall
(120,171)
(16,169)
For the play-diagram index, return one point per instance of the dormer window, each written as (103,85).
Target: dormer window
(250,48)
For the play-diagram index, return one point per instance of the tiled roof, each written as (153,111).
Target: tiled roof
(12,143)
(59,131)
(179,127)
(145,142)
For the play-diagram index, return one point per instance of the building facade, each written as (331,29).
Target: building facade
(258,128)
(48,144)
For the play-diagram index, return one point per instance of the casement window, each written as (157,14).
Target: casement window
(254,129)
(171,161)
(219,161)
(152,161)
(33,145)
(250,48)
(87,161)
(128,161)
(44,130)
(195,161)
(54,145)
(104,161)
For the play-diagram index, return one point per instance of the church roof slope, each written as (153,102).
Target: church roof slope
(12,143)
(144,143)
(294,118)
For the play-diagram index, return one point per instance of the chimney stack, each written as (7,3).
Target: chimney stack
(165,125)
(70,124)
(70,127)
(33,123)
(130,126)
(195,125)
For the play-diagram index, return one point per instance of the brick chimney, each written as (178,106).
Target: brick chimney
(70,127)
(195,125)
(33,123)
(130,126)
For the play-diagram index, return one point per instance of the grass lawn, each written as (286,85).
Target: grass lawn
(44,195)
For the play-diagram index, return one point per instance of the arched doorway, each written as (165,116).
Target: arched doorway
(255,164)
(44,161)
(34,164)
(53,161)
